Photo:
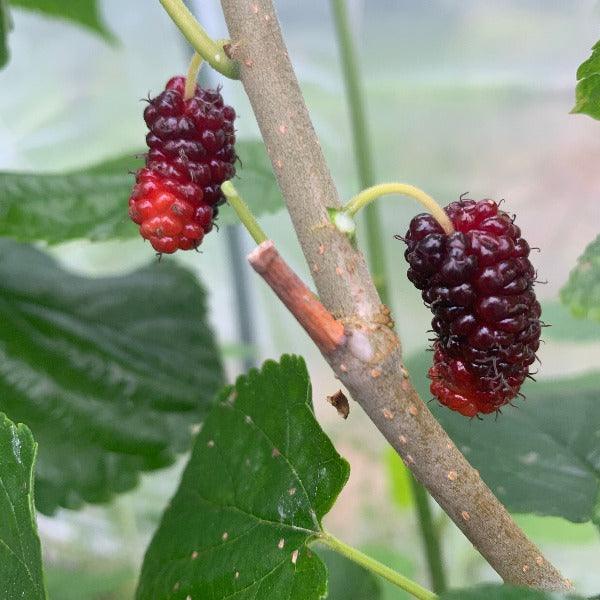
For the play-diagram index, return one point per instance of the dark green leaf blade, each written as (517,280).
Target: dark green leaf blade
(587,92)
(5,27)
(541,456)
(85,13)
(92,202)
(505,592)
(20,551)
(109,373)
(261,477)
(582,292)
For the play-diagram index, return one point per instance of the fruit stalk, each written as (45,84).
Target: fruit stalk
(370,362)
(212,51)
(243,212)
(192,76)
(374,192)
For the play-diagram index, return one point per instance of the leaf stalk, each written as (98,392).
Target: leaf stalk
(403,582)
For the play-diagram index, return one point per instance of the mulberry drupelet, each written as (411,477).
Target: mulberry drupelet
(478,281)
(191,153)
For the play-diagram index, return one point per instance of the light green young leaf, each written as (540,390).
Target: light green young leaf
(21,573)
(582,292)
(85,13)
(541,456)
(92,202)
(110,374)
(587,92)
(260,479)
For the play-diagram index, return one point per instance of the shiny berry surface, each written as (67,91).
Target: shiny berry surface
(478,282)
(191,153)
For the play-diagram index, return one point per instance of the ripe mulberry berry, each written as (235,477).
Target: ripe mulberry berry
(478,282)
(191,153)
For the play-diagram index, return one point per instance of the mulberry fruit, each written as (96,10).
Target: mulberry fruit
(478,282)
(191,153)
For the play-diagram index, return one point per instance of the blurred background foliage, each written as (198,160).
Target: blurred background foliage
(461,97)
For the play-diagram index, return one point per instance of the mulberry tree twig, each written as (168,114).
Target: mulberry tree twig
(368,361)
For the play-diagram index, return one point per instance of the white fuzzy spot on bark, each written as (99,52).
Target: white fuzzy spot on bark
(360,346)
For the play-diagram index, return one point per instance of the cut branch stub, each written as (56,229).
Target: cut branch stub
(323,329)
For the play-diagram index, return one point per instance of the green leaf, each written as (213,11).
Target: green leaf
(504,592)
(85,13)
(587,92)
(347,580)
(260,479)
(92,202)
(582,291)
(109,373)
(5,27)
(89,581)
(541,456)
(20,552)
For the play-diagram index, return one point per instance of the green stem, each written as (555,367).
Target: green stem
(376,251)
(243,212)
(212,51)
(408,585)
(362,148)
(192,76)
(430,536)
(374,192)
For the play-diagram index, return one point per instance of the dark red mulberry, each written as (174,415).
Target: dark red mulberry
(478,282)
(191,153)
